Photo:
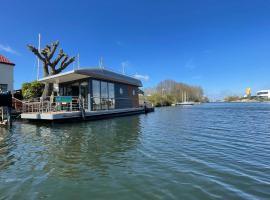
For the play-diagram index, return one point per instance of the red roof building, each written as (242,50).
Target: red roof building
(6,61)
(6,74)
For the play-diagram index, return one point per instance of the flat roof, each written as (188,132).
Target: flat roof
(98,73)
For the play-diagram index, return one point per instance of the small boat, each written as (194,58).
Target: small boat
(186,103)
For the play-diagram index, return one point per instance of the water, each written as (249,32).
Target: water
(211,151)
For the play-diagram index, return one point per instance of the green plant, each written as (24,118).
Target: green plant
(32,90)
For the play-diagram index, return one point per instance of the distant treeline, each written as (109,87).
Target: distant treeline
(232,98)
(168,92)
(236,98)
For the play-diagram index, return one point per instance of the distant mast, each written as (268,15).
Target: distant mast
(101,63)
(38,63)
(123,68)
(78,61)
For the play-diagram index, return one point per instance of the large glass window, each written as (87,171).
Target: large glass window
(111,100)
(96,88)
(111,90)
(84,89)
(104,89)
(103,95)
(96,103)
(96,94)
(84,92)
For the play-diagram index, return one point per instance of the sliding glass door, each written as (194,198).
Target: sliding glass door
(103,95)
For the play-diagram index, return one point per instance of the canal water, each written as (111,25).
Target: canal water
(209,151)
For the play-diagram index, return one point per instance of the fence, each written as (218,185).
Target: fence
(49,104)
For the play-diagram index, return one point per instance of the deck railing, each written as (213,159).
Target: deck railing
(17,105)
(49,104)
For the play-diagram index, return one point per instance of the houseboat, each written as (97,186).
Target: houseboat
(89,93)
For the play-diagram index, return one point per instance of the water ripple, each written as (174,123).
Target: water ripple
(212,151)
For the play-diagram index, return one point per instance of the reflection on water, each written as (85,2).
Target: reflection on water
(214,151)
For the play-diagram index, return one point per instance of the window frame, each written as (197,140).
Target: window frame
(4,86)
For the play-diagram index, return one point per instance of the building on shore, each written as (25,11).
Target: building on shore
(89,92)
(6,74)
(264,94)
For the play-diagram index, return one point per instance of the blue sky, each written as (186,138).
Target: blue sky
(223,46)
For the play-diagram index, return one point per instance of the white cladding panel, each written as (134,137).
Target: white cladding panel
(6,75)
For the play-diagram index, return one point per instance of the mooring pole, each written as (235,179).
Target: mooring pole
(9,119)
(2,114)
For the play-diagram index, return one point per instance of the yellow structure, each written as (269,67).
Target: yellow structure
(248,92)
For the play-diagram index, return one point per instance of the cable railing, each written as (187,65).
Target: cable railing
(17,105)
(75,103)
(55,104)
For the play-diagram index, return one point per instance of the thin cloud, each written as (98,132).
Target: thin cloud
(8,49)
(190,65)
(142,77)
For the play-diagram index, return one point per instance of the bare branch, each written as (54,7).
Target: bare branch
(50,67)
(59,57)
(36,52)
(54,46)
(66,62)
(44,52)
(46,55)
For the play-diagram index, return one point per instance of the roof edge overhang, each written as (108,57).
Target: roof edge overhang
(11,64)
(97,73)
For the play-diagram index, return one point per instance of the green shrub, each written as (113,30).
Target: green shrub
(32,90)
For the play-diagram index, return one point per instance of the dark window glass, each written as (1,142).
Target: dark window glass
(103,95)
(75,89)
(69,91)
(111,103)
(111,90)
(104,89)
(3,87)
(96,88)
(96,103)
(96,94)
(84,89)
(260,93)
(104,103)
(84,93)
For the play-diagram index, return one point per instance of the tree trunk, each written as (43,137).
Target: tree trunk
(47,90)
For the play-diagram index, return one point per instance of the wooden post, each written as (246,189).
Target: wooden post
(9,120)
(2,114)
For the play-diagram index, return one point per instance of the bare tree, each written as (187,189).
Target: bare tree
(51,65)
(170,91)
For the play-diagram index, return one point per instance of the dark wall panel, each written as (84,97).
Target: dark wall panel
(127,99)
